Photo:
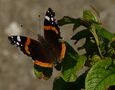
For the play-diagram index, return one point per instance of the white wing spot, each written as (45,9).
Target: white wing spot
(47,18)
(52,22)
(52,19)
(18,38)
(17,43)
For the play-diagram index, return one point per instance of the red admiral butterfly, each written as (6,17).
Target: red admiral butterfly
(47,51)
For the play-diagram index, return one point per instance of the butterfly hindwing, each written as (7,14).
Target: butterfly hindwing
(42,72)
(39,50)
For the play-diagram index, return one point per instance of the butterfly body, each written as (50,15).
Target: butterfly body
(47,51)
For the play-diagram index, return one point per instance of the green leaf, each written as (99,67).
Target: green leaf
(71,64)
(75,26)
(94,33)
(82,34)
(101,75)
(38,74)
(101,32)
(88,15)
(60,84)
(79,84)
(66,20)
(113,44)
(76,21)
(102,38)
(95,58)
(42,73)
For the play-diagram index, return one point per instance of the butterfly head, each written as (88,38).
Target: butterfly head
(15,40)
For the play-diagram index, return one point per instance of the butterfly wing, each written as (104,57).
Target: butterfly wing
(44,52)
(40,52)
(52,34)
(42,72)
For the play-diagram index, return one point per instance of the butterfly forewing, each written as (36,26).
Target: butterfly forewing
(52,34)
(47,51)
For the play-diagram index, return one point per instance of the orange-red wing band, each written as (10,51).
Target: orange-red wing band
(43,64)
(26,45)
(51,28)
(63,51)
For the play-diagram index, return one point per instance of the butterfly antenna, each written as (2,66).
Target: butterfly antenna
(39,23)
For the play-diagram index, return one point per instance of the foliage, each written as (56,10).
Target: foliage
(99,57)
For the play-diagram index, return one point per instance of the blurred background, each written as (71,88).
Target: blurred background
(16,71)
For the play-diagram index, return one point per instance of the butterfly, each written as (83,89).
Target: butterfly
(46,52)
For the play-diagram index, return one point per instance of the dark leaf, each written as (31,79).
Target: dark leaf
(101,32)
(66,20)
(71,64)
(60,84)
(76,22)
(82,34)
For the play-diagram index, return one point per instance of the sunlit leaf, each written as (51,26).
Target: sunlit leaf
(42,72)
(38,74)
(89,15)
(101,32)
(72,63)
(101,75)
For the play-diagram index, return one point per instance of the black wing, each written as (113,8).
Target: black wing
(52,34)
(40,51)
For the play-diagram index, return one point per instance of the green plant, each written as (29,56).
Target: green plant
(99,57)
